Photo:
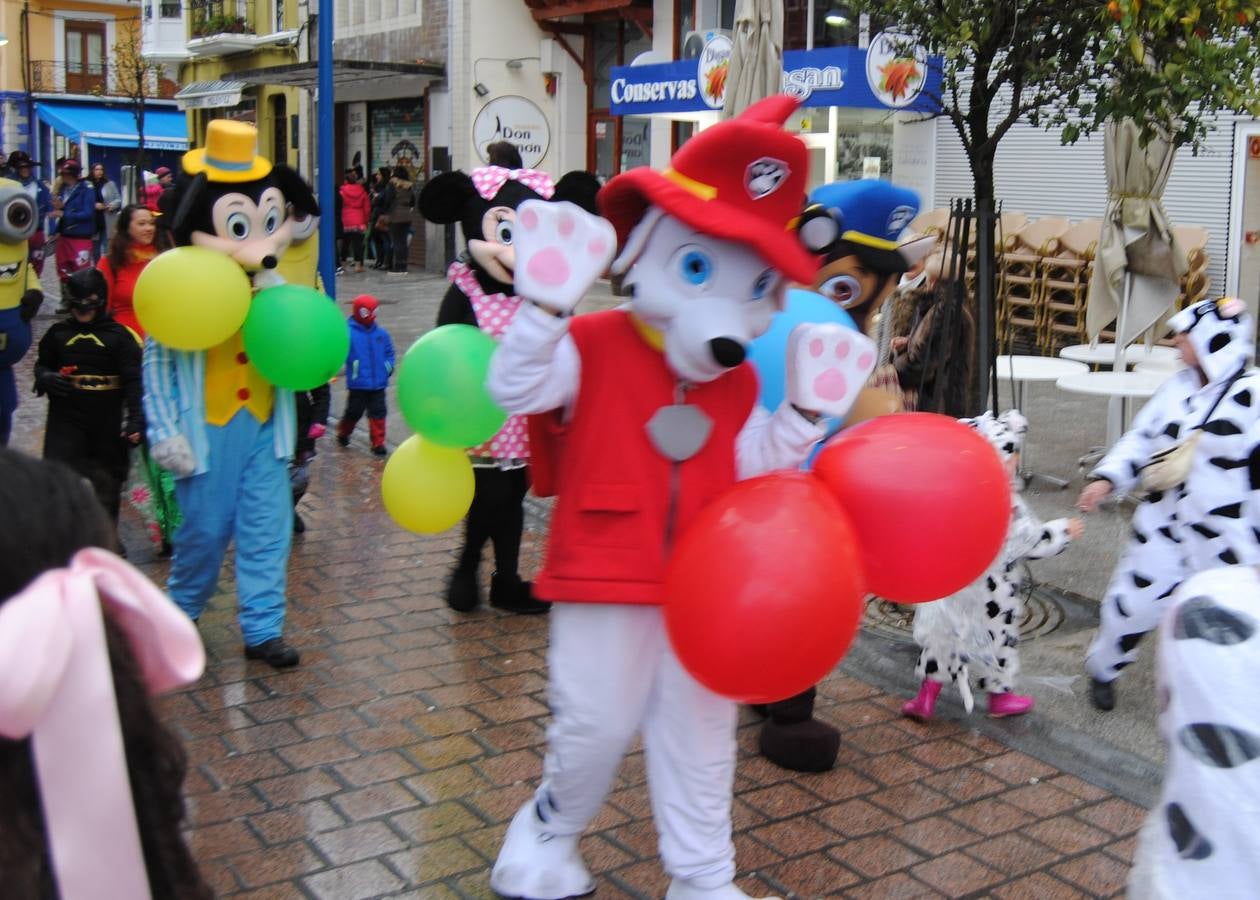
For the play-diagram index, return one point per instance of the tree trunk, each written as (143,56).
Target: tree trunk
(138,180)
(986,296)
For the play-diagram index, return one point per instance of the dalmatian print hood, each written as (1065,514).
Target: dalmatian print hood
(1005,432)
(1222,334)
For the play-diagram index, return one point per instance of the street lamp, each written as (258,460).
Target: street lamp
(836,18)
(3,40)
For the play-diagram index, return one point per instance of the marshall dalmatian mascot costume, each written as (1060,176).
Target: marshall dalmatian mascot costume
(1203,838)
(1207,518)
(979,625)
(659,416)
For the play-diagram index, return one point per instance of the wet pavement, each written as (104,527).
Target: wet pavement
(389,763)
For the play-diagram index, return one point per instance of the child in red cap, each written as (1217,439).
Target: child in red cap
(368,367)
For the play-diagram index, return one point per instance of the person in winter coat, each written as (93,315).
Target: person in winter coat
(1199,511)
(356,214)
(108,203)
(400,205)
(382,250)
(978,627)
(74,216)
(1203,837)
(24,174)
(89,367)
(368,367)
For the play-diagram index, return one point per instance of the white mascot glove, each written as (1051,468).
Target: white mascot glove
(827,366)
(175,455)
(560,250)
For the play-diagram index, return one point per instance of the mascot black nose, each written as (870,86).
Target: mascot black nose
(727,352)
(269,262)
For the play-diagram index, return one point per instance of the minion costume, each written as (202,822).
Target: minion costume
(239,431)
(20,293)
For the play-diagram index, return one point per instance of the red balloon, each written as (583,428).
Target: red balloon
(929,498)
(764,592)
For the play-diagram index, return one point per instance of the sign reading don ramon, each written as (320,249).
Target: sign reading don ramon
(890,75)
(517,121)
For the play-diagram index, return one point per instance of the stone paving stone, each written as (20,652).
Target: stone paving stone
(389,763)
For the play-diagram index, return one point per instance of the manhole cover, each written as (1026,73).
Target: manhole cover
(1043,614)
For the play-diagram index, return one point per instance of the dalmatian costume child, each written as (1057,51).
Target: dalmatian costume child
(1203,838)
(978,627)
(658,413)
(1207,520)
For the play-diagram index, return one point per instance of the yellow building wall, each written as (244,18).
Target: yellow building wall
(221,68)
(42,33)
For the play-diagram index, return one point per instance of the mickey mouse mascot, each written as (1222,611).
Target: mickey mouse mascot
(223,430)
(657,414)
(482,294)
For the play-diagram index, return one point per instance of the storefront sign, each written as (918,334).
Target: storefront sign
(889,75)
(357,137)
(517,121)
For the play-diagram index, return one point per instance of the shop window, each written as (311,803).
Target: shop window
(835,24)
(397,135)
(864,144)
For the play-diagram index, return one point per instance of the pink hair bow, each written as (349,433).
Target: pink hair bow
(488,180)
(56,687)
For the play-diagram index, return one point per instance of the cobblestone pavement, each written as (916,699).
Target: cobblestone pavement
(389,763)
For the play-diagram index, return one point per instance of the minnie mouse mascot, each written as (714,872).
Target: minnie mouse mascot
(482,294)
(655,412)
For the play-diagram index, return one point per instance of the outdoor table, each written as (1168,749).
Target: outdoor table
(1121,385)
(1105,354)
(1020,370)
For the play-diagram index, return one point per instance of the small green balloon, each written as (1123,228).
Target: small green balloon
(442,387)
(295,336)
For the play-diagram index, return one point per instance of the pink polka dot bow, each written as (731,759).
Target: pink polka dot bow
(488,180)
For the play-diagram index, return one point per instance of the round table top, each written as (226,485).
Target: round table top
(1104,354)
(1115,384)
(1159,366)
(1037,368)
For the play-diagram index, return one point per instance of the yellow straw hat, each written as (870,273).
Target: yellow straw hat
(229,154)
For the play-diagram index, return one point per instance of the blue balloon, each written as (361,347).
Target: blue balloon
(768,353)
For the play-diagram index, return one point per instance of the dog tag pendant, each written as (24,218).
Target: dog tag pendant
(679,431)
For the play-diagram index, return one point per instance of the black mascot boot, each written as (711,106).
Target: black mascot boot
(463,594)
(794,739)
(510,594)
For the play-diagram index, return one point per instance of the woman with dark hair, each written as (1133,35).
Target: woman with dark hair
(131,248)
(50,522)
(108,202)
(381,199)
(401,201)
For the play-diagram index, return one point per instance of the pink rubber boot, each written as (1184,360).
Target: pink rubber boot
(1009,704)
(921,707)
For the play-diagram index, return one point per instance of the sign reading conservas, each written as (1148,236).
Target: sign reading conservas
(517,121)
(829,76)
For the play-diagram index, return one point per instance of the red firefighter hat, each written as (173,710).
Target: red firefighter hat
(740,180)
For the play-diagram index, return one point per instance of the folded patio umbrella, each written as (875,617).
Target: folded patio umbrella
(756,64)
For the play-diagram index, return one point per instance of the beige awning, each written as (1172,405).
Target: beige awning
(210,94)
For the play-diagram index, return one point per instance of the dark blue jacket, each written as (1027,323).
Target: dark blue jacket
(42,196)
(78,217)
(371,359)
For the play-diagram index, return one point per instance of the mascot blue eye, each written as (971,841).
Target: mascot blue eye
(697,268)
(503,232)
(272,222)
(238,226)
(764,283)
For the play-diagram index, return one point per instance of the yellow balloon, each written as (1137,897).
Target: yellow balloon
(427,488)
(192,298)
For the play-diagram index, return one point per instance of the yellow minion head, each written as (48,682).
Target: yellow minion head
(18,221)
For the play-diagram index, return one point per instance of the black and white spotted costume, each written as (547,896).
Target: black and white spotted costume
(978,627)
(1203,839)
(1209,520)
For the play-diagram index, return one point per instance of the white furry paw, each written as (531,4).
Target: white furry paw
(534,864)
(684,890)
(560,250)
(827,366)
(175,455)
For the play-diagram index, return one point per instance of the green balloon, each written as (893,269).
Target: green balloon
(442,387)
(295,336)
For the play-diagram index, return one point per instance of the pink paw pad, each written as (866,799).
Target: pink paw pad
(815,347)
(566,225)
(831,385)
(549,267)
(529,219)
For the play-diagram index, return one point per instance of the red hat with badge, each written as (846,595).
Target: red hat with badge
(363,308)
(741,180)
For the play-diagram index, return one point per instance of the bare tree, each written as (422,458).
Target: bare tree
(138,79)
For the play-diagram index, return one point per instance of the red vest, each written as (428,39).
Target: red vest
(621,504)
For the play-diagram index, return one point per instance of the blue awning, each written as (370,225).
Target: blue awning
(115,126)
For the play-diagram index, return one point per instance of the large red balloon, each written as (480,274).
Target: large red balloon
(764,591)
(929,498)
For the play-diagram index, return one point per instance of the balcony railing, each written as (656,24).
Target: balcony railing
(209,18)
(62,77)
(50,76)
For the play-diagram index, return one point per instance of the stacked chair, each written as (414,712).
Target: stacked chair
(1020,298)
(1065,279)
